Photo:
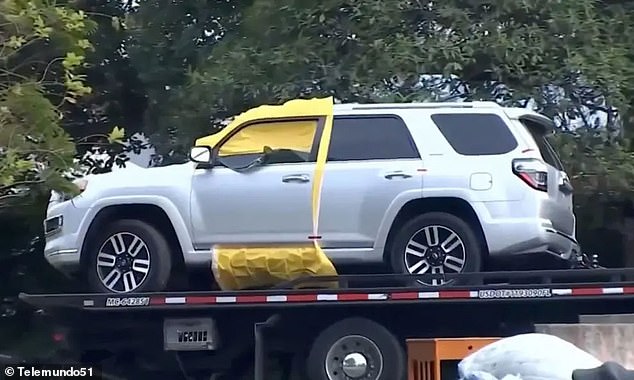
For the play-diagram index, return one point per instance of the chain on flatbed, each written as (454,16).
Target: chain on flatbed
(355,289)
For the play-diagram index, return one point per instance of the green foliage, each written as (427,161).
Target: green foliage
(117,97)
(116,135)
(362,50)
(72,71)
(168,40)
(571,57)
(42,50)
(186,65)
(36,148)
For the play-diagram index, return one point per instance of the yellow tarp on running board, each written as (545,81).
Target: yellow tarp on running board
(241,267)
(237,267)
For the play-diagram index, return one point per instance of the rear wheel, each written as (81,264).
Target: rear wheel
(356,348)
(436,243)
(128,256)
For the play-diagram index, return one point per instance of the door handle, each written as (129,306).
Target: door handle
(397,174)
(296,178)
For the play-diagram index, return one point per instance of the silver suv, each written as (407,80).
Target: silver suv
(423,187)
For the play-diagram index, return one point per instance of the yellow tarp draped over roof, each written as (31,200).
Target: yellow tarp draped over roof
(293,108)
(239,267)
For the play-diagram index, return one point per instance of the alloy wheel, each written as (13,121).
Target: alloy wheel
(123,262)
(435,249)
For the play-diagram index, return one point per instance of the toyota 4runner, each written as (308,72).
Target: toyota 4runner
(422,187)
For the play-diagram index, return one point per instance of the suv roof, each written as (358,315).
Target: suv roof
(511,112)
(358,106)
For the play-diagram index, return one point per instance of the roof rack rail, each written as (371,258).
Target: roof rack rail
(420,105)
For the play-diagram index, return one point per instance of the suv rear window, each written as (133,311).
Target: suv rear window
(547,151)
(475,134)
(381,137)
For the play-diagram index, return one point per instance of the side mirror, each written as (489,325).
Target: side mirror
(200,154)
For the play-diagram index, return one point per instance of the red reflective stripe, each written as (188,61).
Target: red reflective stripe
(157,301)
(587,291)
(301,298)
(198,300)
(353,297)
(455,294)
(404,296)
(250,299)
(628,290)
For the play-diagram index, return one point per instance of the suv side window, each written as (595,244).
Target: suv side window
(380,137)
(290,141)
(475,134)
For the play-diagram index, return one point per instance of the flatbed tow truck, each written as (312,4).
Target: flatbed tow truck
(356,331)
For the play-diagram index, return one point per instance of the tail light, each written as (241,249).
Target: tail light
(532,171)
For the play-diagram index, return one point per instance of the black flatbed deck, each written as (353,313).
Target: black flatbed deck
(548,285)
(254,324)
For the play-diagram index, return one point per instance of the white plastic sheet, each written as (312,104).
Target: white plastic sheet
(479,375)
(526,357)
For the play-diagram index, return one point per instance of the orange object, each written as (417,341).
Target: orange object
(425,356)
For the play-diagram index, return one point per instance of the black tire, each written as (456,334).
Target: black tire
(157,248)
(392,353)
(472,245)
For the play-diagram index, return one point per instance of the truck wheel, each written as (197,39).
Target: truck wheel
(436,243)
(128,256)
(356,348)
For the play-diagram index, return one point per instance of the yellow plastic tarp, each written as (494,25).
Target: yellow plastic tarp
(241,267)
(237,267)
(298,108)
(297,135)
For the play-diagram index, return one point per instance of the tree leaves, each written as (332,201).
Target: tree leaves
(570,59)
(45,45)
(352,50)
(116,135)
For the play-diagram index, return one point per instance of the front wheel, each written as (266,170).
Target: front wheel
(436,243)
(356,348)
(128,256)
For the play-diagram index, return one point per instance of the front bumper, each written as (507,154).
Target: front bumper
(62,225)
(63,260)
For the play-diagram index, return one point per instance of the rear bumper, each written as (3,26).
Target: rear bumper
(561,245)
(519,228)
(540,239)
